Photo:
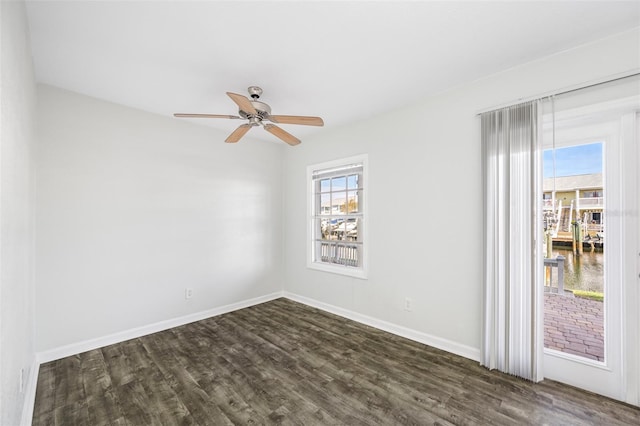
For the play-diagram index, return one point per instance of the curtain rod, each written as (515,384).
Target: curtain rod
(584,85)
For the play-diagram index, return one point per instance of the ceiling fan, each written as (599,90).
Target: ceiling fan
(257,112)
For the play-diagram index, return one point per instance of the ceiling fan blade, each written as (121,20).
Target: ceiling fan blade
(297,119)
(285,136)
(183,115)
(238,133)
(243,102)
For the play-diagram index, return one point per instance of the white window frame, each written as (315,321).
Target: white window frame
(352,271)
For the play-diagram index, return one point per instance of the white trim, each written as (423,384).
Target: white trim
(30,393)
(75,348)
(577,359)
(408,333)
(631,252)
(606,120)
(361,272)
(557,92)
(634,326)
(87,345)
(338,269)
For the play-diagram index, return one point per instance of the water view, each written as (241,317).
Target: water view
(585,272)
(574,216)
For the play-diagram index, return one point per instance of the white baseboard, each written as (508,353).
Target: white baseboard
(30,393)
(87,345)
(79,347)
(418,336)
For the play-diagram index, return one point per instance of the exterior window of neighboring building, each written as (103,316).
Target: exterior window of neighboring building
(337,239)
(593,194)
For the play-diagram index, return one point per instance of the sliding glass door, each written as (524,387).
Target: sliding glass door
(590,195)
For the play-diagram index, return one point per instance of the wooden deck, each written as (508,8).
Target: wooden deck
(285,363)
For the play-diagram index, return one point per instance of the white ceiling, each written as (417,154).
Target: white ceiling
(344,61)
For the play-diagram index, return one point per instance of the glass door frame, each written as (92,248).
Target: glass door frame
(612,123)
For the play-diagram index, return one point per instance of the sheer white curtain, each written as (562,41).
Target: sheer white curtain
(512,320)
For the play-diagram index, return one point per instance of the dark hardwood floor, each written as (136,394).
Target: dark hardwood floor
(286,363)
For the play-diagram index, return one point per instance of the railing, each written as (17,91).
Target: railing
(594,227)
(591,202)
(584,203)
(566,215)
(341,254)
(557,263)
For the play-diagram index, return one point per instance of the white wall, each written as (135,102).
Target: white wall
(425,207)
(132,208)
(17,198)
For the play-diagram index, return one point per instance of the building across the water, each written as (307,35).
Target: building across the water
(578,198)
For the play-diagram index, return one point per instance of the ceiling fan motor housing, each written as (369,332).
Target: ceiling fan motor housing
(263,109)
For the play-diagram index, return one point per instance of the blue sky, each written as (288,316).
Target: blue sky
(573,160)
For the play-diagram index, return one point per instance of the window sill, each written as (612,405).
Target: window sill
(339,270)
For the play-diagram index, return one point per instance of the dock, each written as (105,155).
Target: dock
(564,239)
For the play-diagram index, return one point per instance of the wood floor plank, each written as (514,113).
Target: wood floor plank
(68,384)
(150,401)
(201,406)
(103,404)
(45,393)
(120,369)
(285,363)
(72,414)
(264,387)
(376,398)
(279,363)
(370,378)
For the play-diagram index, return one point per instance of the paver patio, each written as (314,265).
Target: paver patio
(574,325)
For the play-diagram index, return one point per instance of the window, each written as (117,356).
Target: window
(337,216)
(593,194)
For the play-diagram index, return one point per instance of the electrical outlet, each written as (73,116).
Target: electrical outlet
(408,304)
(21,385)
(188,293)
